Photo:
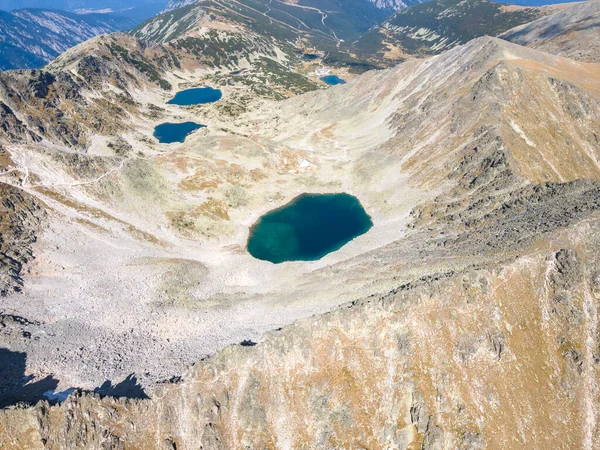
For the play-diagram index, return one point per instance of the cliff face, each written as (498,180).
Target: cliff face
(21,219)
(504,356)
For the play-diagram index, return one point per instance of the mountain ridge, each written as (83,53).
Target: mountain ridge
(388,5)
(457,98)
(31,38)
(136,10)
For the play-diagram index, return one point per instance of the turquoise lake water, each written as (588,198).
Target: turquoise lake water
(332,80)
(167,133)
(308,228)
(196,96)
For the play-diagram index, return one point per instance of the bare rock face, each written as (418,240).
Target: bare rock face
(12,127)
(21,218)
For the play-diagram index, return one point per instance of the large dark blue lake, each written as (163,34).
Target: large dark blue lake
(308,228)
(332,80)
(167,133)
(196,96)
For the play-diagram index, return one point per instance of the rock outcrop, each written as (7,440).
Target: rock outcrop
(21,218)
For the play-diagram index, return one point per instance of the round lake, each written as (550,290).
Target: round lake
(168,133)
(196,96)
(308,228)
(332,80)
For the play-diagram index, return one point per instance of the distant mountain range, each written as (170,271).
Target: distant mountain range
(363,34)
(386,5)
(326,22)
(135,9)
(30,38)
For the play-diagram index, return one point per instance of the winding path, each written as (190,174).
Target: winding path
(323,17)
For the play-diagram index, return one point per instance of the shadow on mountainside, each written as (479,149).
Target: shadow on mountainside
(18,388)
(128,388)
(15,386)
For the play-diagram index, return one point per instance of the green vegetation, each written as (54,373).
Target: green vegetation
(268,78)
(223,49)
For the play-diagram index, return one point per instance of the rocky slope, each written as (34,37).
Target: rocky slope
(90,89)
(436,26)
(472,359)
(300,31)
(55,104)
(31,38)
(175,4)
(572,33)
(466,318)
(325,25)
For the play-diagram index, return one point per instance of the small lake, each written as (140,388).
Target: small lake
(308,228)
(168,133)
(332,80)
(196,96)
